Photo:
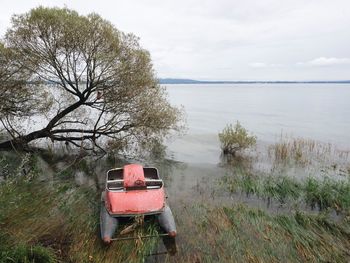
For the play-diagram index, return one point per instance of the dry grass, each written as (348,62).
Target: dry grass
(305,151)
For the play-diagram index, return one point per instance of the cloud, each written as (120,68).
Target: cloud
(226,39)
(258,65)
(264,65)
(324,61)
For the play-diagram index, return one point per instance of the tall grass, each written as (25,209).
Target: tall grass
(22,253)
(304,152)
(59,222)
(323,193)
(241,234)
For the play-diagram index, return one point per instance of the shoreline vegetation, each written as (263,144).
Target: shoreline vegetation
(192,81)
(52,217)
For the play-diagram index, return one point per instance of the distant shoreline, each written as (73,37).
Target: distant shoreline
(191,81)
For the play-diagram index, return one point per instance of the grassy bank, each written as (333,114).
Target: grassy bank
(242,234)
(55,220)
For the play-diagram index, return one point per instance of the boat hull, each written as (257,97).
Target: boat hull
(167,222)
(108,224)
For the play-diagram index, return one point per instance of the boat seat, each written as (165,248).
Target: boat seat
(118,184)
(153,183)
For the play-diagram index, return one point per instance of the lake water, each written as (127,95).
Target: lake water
(316,111)
(313,111)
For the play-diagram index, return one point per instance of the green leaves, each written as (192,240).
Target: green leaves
(91,83)
(234,138)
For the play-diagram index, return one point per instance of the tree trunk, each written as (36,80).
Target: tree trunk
(22,142)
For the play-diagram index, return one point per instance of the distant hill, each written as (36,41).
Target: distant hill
(192,81)
(178,81)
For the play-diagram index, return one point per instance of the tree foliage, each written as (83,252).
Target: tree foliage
(234,138)
(13,80)
(94,86)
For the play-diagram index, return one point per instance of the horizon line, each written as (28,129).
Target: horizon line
(193,81)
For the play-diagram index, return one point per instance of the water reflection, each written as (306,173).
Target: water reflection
(319,112)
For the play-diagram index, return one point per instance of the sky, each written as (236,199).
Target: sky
(227,39)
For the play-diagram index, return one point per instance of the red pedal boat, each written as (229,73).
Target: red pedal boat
(133,191)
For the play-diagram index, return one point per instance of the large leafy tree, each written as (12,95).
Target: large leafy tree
(83,81)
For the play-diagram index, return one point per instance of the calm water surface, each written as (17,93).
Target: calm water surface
(316,111)
(319,112)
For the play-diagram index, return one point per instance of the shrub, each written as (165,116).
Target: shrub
(235,138)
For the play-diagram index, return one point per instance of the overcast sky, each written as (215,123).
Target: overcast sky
(227,39)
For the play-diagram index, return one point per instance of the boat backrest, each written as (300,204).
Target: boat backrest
(154,183)
(116,179)
(152,178)
(115,174)
(134,178)
(151,173)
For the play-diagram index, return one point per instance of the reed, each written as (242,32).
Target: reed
(238,233)
(325,193)
(58,222)
(304,152)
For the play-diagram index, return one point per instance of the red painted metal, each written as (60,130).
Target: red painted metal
(135,198)
(133,176)
(136,202)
